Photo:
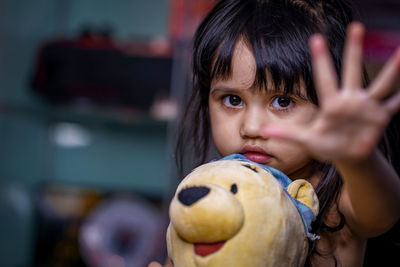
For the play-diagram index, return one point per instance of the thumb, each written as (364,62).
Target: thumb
(154,264)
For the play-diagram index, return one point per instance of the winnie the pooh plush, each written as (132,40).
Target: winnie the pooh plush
(234,212)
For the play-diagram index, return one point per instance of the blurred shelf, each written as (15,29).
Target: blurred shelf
(127,149)
(113,118)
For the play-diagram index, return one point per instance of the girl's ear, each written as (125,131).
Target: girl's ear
(304,192)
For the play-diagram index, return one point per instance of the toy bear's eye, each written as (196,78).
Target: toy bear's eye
(234,188)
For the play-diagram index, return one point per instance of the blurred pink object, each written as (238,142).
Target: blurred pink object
(379,45)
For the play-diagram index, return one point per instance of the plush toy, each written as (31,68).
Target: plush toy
(237,213)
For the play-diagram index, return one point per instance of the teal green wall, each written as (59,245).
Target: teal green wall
(24,24)
(130,18)
(24,121)
(128,156)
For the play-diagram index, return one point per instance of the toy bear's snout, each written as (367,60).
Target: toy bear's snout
(206,213)
(190,195)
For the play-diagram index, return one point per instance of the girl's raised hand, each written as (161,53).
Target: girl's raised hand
(351,119)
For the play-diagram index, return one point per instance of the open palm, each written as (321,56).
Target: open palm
(351,119)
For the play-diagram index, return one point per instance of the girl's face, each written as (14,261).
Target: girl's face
(238,112)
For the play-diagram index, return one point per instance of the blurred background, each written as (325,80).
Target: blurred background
(89,96)
(90,93)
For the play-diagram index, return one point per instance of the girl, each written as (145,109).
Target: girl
(260,90)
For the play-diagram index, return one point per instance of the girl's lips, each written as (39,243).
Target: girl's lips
(258,157)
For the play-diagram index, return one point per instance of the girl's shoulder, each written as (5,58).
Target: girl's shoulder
(338,242)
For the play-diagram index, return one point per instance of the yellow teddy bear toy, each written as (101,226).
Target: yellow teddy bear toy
(234,212)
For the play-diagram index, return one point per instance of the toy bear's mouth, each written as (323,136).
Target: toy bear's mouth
(204,249)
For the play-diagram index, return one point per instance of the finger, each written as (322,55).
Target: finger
(293,133)
(352,57)
(382,85)
(393,103)
(168,263)
(154,264)
(325,76)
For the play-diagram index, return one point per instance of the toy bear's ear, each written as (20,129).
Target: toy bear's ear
(304,192)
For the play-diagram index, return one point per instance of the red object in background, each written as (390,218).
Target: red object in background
(379,45)
(94,67)
(186,15)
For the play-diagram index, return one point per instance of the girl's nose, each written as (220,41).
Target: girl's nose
(252,123)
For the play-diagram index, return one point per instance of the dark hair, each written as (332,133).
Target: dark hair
(277,31)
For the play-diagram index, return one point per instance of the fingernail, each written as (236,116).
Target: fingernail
(357,31)
(316,42)
(357,25)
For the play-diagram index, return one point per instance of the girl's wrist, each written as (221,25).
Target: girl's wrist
(359,162)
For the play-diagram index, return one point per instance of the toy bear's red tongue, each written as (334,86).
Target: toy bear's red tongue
(204,249)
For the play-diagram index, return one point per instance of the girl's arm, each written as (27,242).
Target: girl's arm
(347,129)
(370,197)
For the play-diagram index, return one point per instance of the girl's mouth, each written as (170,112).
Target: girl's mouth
(256,155)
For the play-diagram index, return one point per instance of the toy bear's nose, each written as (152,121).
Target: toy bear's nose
(190,195)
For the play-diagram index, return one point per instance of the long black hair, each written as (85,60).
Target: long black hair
(277,32)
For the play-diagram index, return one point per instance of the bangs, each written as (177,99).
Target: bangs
(279,44)
(277,70)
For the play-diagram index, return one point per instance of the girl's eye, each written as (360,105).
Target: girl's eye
(232,101)
(282,102)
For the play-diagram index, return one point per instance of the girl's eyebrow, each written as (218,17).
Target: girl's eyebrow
(223,90)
